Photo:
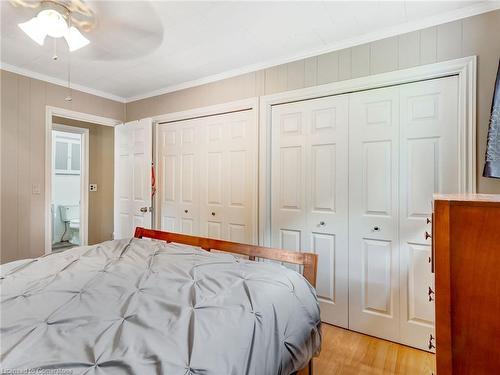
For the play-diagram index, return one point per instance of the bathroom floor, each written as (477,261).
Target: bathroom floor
(61,246)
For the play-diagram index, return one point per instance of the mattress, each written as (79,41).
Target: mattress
(137,306)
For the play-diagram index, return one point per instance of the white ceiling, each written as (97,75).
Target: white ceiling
(146,47)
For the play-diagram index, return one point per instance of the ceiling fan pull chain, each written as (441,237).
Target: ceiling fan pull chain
(69,98)
(54,56)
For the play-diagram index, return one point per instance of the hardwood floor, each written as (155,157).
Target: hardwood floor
(346,352)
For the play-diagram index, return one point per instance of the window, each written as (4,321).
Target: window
(67,153)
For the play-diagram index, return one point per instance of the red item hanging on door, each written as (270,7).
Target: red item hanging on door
(153,180)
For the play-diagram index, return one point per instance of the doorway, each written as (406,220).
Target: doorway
(69,205)
(92,215)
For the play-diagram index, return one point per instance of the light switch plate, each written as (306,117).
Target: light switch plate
(36,189)
(93,187)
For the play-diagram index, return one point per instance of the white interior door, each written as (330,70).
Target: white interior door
(373,212)
(309,198)
(133,158)
(178,166)
(228,177)
(429,164)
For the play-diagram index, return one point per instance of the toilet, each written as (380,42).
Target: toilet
(70,215)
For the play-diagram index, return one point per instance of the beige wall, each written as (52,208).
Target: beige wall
(478,35)
(101,172)
(23,102)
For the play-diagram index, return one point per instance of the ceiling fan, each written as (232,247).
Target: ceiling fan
(120,30)
(58,19)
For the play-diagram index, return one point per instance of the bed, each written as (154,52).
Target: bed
(161,303)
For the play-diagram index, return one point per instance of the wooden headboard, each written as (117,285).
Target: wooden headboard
(308,260)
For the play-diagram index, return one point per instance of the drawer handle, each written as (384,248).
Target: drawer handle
(427,235)
(430,293)
(321,223)
(186,211)
(431,343)
(213,213)
(428,221)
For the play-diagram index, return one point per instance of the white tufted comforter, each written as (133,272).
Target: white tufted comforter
(146,307)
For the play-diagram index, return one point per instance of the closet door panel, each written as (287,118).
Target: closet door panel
(212,171)
(228,186)
(179,178)
(241,183)
(327,203)
(429,164)
(376,277)
(288,201)
(309,192)
(169,165)
(188,208)
(377,175)
(373,212)
(324,246)
(214,178)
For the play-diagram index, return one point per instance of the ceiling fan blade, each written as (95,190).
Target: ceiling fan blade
(123,31)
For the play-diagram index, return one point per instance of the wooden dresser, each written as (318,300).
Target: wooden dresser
(466,261)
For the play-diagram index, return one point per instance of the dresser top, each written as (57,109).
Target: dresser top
(493,198)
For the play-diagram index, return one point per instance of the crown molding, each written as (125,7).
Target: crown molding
(435,20)
(59,82)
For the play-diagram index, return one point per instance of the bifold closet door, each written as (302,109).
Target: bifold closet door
(309,197)
(373,212)
(208,176)
(178,174)
(429,155)
(228,177)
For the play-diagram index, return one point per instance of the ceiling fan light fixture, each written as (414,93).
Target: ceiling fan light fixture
(75,39)
(34,29)
(54,20)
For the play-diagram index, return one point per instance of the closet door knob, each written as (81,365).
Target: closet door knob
(143,209)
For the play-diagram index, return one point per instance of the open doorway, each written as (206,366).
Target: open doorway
(69,206)
(79,186)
